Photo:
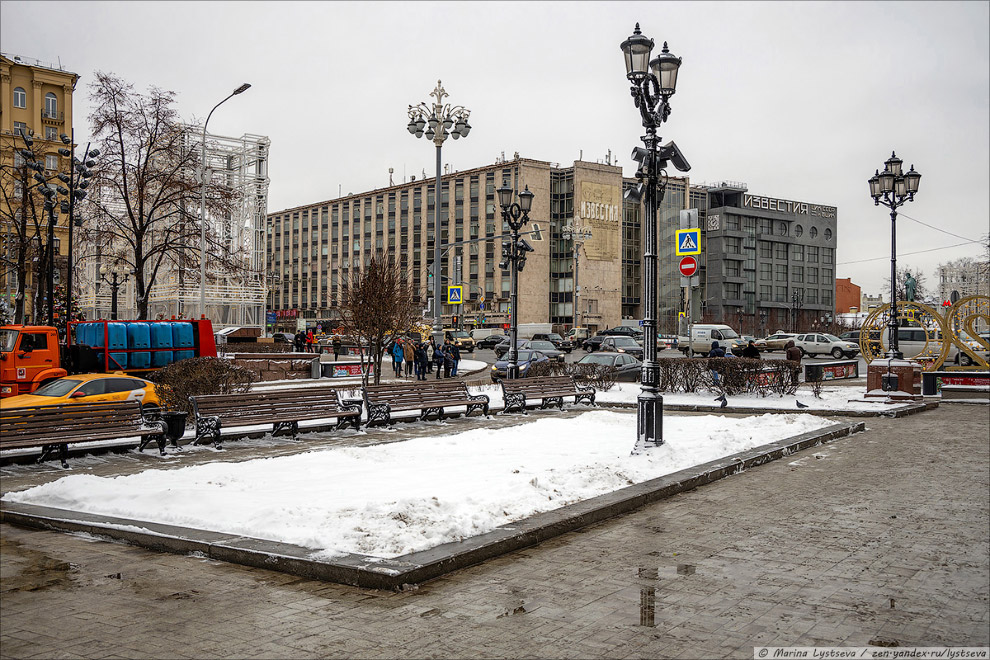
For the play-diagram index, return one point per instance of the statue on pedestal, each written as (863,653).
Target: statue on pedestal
(910,286)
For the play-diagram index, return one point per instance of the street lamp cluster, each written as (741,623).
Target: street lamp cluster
(570,232)
(892,188)
(115,282)
(77,181)
(516,214)
(437,121)
(653,82)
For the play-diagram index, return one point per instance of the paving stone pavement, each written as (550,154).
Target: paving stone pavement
(878,538)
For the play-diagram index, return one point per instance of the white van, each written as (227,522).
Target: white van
(480,333)
(702,336)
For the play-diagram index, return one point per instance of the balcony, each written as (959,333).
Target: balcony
(50,117)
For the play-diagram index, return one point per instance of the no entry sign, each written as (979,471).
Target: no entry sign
(688,266)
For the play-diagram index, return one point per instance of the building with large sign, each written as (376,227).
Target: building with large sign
(315,249)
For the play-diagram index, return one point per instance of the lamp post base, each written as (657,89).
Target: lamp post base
(649,421)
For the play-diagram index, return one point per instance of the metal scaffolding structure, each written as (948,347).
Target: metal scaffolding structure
(235,285)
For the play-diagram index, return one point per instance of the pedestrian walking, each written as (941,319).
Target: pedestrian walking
(309,341)
(751,351)
(336,347)
(299,341)
(717,351)
(409,355)
(455,353)
(397,358)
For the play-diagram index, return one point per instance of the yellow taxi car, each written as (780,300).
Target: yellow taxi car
(89,388)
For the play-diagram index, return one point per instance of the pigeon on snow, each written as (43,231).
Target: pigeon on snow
(723,400)
(801,405)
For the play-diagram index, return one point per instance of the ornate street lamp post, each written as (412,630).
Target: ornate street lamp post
(892,189)
(203,177)
(513,260)
(439,120)
(578,236)
(78,181)
(115,283)
(653,83)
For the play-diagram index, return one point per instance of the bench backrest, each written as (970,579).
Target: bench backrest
(73,421)
(261,407)
(540,385)
(409,395)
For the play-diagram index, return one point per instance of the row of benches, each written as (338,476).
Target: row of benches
(53,428)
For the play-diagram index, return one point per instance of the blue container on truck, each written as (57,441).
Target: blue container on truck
(182,338)
(161,338)
(138,336)
(117,338)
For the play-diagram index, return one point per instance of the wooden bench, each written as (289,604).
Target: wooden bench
(283,409)
(430,398)
(551,391)
(54,428)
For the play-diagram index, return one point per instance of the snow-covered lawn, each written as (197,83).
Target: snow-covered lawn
(392,499)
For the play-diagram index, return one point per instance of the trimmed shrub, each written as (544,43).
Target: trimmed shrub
(178,381)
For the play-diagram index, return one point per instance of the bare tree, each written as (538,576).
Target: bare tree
(24,221)
(377,303)
(147,192)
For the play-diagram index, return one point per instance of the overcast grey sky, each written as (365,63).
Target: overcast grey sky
(800,100)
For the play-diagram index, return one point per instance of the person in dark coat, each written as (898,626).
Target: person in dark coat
(793,353)
(455,353)
(336,348)
(717,351)
(448,359)
(751,351)
(420,361)
(438,359)
(300,341)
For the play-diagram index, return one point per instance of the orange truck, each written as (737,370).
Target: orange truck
(31,355)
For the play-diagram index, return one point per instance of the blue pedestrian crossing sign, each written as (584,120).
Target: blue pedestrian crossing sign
(688,242)
(455,294)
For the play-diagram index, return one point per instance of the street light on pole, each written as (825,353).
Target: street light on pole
(653,83)
(115,283)
(892,189)
(513,260)
(439,120)
(579,236)
(78,182)
(202,202)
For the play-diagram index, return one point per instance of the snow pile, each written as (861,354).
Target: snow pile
(392,499)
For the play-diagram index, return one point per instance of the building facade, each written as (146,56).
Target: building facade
(966,277)
(770,261)
(35,100)
(748,243)
(848,296)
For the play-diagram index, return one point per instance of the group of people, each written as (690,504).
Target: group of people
(306,342)
(422,357)
(751,351)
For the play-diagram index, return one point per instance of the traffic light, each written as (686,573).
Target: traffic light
(454,320)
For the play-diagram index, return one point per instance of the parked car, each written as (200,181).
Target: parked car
(503,347)
(89,388)
(489,342)
(591,344)
(525,360)
(283,337)
(777,341)
(624,331)
(545,347)
(623,345)
(559,342)
(577,335)
(820,343)
(627,368)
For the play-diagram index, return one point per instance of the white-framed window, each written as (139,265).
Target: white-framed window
(20,97)
(51,162)
(18,159)
(51,133)
(20,128)
(51,106)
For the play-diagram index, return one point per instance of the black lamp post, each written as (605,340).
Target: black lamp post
(514,259)
(892,188)
(797,301)
(115,283)
(78,181)
(653,83)
(439,120)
